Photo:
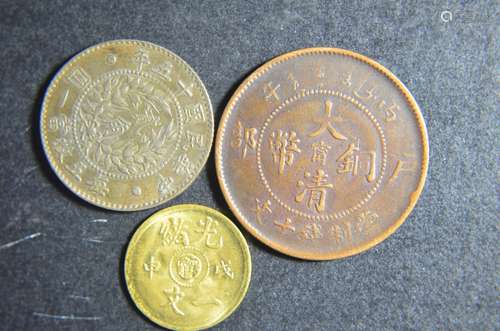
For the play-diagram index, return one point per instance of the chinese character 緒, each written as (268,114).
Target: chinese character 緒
(172,232)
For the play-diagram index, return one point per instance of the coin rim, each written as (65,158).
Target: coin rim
(413,196)
(60,173)
(247,262)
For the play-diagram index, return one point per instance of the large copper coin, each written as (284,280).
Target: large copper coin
(322,153)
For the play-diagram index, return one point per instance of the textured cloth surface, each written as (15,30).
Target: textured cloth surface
(438,271)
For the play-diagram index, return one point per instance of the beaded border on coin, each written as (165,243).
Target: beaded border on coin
(262,70)
(144,227)
(43,125)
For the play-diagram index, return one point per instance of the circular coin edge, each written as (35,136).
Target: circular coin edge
(60,174)
(311,51)
(207,210)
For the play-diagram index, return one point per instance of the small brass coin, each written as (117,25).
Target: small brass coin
(187,267)
(126,125)
(322,153)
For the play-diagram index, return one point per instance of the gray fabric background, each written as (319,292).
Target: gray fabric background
(440,270)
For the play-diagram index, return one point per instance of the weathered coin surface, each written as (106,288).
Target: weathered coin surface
(322,153)
(187,267)
(126,125)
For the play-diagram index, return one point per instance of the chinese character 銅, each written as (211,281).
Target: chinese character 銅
(316,189)
(349,161)
(326,124)
(283,145)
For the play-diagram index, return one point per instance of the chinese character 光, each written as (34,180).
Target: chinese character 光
(326,124)
(283,145)
(209,233)
(316,189)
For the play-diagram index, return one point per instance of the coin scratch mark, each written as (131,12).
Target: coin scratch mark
(93,240)
(30,170)
(64,98)
(215,301)
(68,317)
(15,242)
(27,129)
(100,220)
(79,297)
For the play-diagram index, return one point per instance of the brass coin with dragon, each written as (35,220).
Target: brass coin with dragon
(322,153)
(127,125)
